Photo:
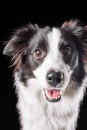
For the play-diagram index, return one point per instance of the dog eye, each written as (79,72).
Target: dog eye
(67,50)
(39,54)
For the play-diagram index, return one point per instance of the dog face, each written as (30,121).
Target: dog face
(54,57)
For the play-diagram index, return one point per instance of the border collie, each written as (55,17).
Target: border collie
(49,74)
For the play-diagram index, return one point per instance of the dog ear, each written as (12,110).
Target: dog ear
(75,27)
(20,39)
(16,46)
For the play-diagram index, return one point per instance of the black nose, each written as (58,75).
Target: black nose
(54,78)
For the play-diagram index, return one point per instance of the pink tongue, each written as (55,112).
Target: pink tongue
(54,93)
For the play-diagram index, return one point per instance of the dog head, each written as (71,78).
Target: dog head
(54,57)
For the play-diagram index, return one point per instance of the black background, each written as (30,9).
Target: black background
(12,18)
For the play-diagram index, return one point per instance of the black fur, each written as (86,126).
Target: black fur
(70,40)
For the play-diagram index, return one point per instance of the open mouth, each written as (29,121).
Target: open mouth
(52,95)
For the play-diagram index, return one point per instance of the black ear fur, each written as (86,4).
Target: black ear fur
(20,40)
(73,26)
(16,47)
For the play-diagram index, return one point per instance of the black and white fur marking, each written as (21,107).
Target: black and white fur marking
(50,74)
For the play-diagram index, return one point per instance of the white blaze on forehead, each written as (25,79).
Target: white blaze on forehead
(52,59)
(53,39)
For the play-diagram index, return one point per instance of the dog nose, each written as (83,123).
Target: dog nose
(54,78)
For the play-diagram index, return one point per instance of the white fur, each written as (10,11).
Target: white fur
(36,113)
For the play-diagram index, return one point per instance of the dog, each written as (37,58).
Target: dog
(49,74)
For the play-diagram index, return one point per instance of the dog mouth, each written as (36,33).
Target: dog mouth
(52,95)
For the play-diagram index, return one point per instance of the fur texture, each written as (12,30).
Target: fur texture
(49,74)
